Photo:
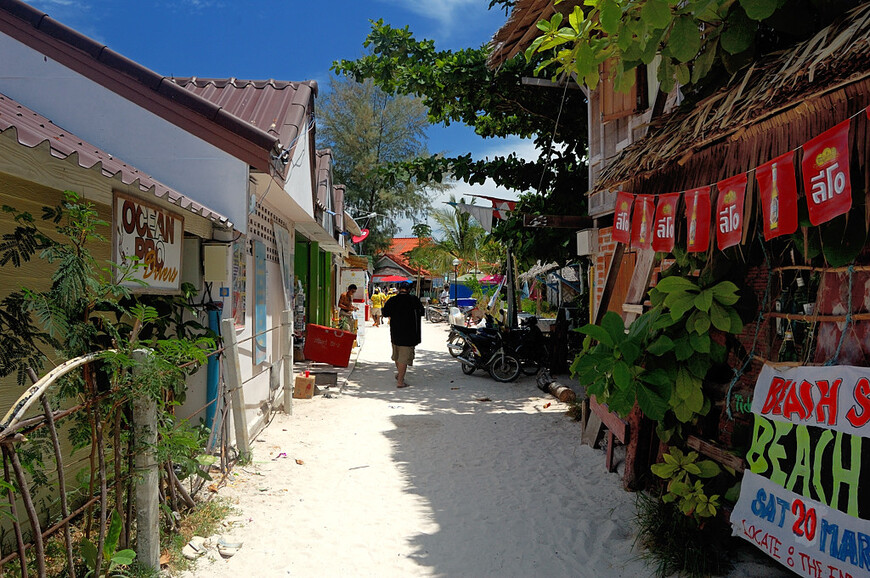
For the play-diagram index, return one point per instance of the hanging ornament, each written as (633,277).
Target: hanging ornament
(698,219)
(663,230)
(622,218)
(825,169)
(777,187)
(729,211)
(642,221)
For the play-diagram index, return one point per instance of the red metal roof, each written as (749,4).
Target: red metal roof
(32,129)
(401,245)
(240,137)
(278,107)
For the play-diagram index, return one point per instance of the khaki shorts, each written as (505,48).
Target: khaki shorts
(403,354)
(376,311)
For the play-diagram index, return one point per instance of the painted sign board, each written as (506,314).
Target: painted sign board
(147,244)
(805,499)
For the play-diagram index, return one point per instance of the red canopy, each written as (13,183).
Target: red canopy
(388,279)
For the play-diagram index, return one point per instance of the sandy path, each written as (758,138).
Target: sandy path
(427,481)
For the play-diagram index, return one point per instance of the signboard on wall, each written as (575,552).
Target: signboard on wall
(805,500)
(259,302)
(240,255)
(152,239)
(286,244)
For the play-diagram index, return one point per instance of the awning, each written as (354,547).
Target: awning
(389,279)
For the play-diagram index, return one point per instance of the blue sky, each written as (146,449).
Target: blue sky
(287,40)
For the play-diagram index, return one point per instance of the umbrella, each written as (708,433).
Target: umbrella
(389,279)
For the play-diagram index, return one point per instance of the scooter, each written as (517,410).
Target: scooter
(529,345)
(485,349)
(437,313)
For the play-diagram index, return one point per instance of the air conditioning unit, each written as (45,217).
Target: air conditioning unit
(587,242)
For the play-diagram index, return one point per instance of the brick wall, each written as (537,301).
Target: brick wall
(606,245)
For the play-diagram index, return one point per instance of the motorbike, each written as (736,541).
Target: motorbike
(436,313)
(485,349)
(529,345)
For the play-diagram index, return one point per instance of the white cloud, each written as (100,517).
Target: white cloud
(445,12)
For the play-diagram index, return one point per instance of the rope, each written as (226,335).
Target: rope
(834,359)
(738,373)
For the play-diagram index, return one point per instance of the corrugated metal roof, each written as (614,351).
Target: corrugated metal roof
(278,107)
(32,129)
(245,138)
(324,179)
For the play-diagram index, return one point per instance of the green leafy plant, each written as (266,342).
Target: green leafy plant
(661,362)
(113,559)
(681,470)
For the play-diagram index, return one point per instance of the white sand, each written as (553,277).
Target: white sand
(427,481)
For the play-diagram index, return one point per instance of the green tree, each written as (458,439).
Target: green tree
(460,236)
(367,129)
(459,87)
(696,43)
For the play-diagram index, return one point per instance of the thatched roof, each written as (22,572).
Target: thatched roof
(520,29)
(770,108)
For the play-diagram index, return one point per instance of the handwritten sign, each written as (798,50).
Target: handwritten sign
(805,499)
(151,236)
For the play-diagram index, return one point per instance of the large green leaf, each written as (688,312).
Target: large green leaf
(660,378)
(682,412)
(700,342)
(621,375)
(656,13)
(759,9)
(630,351)
(614,325)
(113,535)
(708,469)
(660,346)
(700,323)
(704,62)
(739,32)
(622,401)
(680,304)
(653,401)
(611,16)
(89,553)
(704,300)
(698,365)
(685,40)
(598,333)
(675,283)
(725,293)
(686,384)
(736,322)
(720,318)
(683,349)
(695,401)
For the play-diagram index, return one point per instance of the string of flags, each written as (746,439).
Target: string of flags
(648,221)
(500,209)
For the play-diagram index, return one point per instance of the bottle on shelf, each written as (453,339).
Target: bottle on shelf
(788,350)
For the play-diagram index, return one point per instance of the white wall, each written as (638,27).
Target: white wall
(300,181)
(173,156)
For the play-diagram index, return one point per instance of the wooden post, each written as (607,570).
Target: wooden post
(234,384)
(147,480)
(610,283)
(287,324)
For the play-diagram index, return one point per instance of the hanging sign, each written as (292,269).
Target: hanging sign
(153,237)
(698,219)
(642,221)
(622,218)
(805,500)
(729,211)
(825,169)
(778,190)
(663,230)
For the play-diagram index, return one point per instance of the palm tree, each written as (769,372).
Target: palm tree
(461,237)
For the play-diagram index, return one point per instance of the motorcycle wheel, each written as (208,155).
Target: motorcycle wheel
(505,368)
(467,368)
(455,344)
(533,366)
(436,316)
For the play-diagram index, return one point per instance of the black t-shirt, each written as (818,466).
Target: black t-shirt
(404,311)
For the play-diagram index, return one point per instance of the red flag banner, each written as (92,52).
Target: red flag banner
(729,211)
(622,218)
(777,186)
(698,219)
(825,169)
(642,221)
(663,231)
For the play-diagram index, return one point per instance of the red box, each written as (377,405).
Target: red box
(328,345)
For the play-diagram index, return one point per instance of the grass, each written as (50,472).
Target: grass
(674,543)
(204,520)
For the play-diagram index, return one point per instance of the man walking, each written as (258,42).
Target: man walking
(405,312)
(378,300)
